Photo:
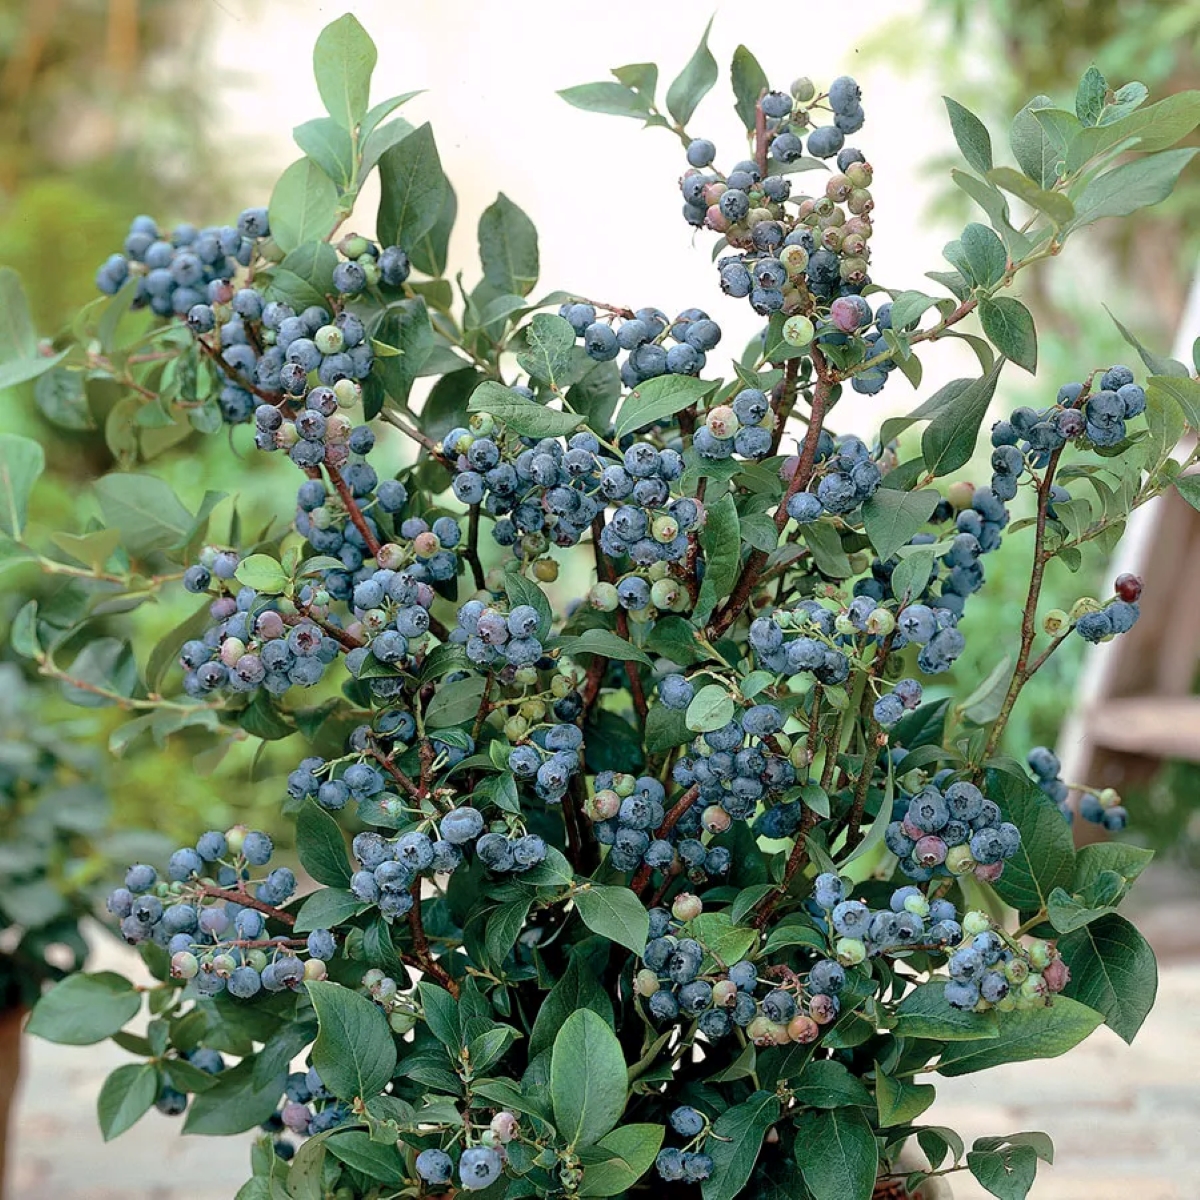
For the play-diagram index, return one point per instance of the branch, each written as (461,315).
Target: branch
(352,509)
(669,822)
(248,901)
(604,571)
(424,958)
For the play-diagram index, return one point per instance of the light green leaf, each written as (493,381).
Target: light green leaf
(523,416)
(22,462)
(303,205)
(632,1150)
(327,144)
(1089,96)
(607,97)
(343,59)
(971,135)
(721,540)
(587,1079)
(262,573)
(711,708)
(549,340)
(146,511)
(694,82)
(615,913)
(660,397)
(125,1096)
(1055,205)
(602,642)
(1032,147)
(84,1009)
(1131,186)
(508,248)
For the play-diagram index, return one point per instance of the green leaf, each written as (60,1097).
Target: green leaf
(693,83)
(329,146)
(1046,858)
(166,653)
(949,440)
(549,340)
(490,1047)
(926,1013)
(526,417)
(1119,857)
(912,572)
(1089,96)
(632,1150)
(1032,147)
(84,1009)
(125,1096)
(1024,1034)
(1154,362)
(508,247)
(738,1137)
(262,573)
(891,518)
(1008,1174)
(321,847)
(587,1079)
(22,462)
(1055,205)
(602,642)
(520,590)
(1154,128)
(146,511)
(1068,914)
(455,703)
(829,555)
(1183,390)
(660,397)
(985,703)
(412,189)
(1113,970)
(900,1101)
(908,307)
(343,58)
(429,253)
(237,1102)
(985,254)
(1131,186)
(577,989)
(354,1053)
(827,1084)
(326,908)
(440,1010)
(711,708)
(24,635)
(18,337)
(837,1154)
(749,82)
(303,205)
(61,397)
(504,925)
(723,941)
(378,1162)
(722,543)
(607,97)
(407,328)
(971,135)
(615,913)
(1009,327)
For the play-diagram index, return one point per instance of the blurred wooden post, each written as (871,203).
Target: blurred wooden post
(1135,704)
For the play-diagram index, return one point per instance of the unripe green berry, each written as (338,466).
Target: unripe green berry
(850,951)
(794,259)
(1055,621)
(798,331)
(348,392)
(665,529)
(401,1022)
(315,969)
(880,622)
(859,174)
(482,424)
(975,922)
(329,339)
(959,860)
(803,89)
(184,965)
(545,570)
(1039,954)
(525,676)
(686,907)
(603,597)
(665,593)
(1083,606)
(624,785)
(645,982)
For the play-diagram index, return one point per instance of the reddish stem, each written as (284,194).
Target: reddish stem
(352,510)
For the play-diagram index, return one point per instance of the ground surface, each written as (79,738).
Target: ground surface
(1125,1121)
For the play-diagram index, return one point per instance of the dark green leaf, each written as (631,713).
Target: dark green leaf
(321,846)
(441,1015)
(378,1162)
(412,189)
(602,642)
(632,1150)
(587,1079)
(693,83)
(326,908)
(523,416)
(1009,326)
(749,82)
(237,1102)
(926,1013)
(577,989)
(354,1051)
(660,397)
(1089,96)
(837,1154)
(1008,1174)
(1113,970)
(891,518)
(827,1084)
(900,1101)
(1131,186)
(615,913)
(949,439)
(738,1137)
(1024,1034)
(549,340)
(62,398)
(329,146)
(985,254)
(520,590)
(722,543)
(829,555)
(1046,858)
(407,328)
(125,1097)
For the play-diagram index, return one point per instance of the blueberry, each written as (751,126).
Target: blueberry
(686,1121)
(435,1166)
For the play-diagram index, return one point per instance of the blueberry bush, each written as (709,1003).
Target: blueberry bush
(642,845)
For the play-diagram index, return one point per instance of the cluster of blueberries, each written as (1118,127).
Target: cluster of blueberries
(848,478)
(744,426)
(674,982)
(687,1165)
(950,828)
(478,1166)
(643,339)
(389,867)
(308,1108)
(170,1101)
(628,812)
(187,267)
(988,972)
(1099,622)
(250,645)
(1101,808)
(216,943)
